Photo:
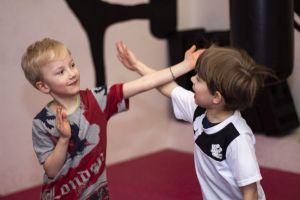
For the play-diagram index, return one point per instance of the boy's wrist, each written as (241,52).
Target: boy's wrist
(172,74)
(187,64)
(191,66)
(64,140)
(141,68)
(137,66)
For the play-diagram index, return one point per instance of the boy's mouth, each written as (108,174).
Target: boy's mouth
(74,82)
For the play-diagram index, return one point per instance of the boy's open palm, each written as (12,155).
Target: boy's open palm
(191,55)
(62,123)
(126,57)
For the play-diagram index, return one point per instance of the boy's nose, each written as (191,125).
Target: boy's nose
(71,73)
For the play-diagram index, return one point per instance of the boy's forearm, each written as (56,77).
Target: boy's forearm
(250,192)
(180,69)
(167,89)
(155,79)
(143,69)
(56,159)
(176,70)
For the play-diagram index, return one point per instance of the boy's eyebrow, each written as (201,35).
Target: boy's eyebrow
(62,66)
(58,68)
(71,61)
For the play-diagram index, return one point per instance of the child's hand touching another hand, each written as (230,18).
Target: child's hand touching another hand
(191,56)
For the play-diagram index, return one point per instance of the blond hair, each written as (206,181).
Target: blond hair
(38,54)
(234,74)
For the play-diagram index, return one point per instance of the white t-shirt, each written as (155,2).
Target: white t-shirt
(224,154)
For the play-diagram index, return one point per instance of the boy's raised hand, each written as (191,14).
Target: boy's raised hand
(126,57)
(191,55)
(62,123)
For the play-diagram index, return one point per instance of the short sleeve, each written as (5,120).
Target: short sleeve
(111,101)
(43,145)
(242,160)
(183,104)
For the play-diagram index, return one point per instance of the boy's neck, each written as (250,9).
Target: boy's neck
(217,116)
(69,105)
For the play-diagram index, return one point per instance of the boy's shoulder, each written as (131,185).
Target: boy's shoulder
(92,93)
(95,90)
(44,121)
(44,113)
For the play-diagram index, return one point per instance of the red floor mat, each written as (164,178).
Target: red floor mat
(164,175)
(170,175)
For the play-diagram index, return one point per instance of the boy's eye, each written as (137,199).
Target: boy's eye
(60,72)
(199,79)
(73,65)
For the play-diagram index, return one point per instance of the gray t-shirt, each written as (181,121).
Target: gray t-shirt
(83,174)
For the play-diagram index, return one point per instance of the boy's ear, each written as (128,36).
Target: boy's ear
(218,98)
(42,87)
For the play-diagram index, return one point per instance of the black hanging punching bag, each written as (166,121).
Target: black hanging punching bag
(265,28)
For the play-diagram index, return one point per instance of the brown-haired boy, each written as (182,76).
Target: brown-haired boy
(226,82)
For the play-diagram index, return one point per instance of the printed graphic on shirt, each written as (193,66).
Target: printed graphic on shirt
(47,119)
(216,151)
(81,179)
(100,89)
(215,145)
(76,144)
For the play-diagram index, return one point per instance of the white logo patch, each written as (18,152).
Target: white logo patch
(216,151)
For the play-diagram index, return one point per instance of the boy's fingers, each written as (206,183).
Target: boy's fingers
(119,58)
(197,53)
(119,49)
(200,51)
(192,48)
(58,116)
(64,116)
(122,50)
(121,45)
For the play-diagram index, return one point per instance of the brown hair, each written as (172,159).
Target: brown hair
(38,54)
(233,73)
